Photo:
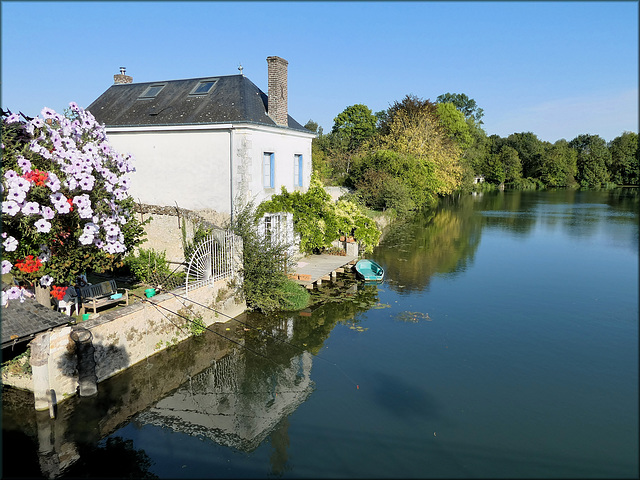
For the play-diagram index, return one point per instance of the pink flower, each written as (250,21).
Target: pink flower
(47,213)
(86,238)
(62,207)
(48,113)
(24,164)
(10,175)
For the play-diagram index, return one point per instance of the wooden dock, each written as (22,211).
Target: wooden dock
(315,269)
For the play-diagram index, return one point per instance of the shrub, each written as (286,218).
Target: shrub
(148,266)
(263,262)
(293,296)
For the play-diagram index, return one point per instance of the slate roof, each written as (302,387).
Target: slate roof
(21,321)
(234,98)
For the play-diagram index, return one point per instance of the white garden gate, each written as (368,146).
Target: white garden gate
(213,259)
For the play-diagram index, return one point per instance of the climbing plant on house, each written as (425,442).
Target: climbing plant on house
(65,206)
(320,221)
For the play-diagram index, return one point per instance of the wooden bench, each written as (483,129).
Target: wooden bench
(99,295)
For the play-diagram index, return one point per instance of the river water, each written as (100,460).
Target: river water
(503,342)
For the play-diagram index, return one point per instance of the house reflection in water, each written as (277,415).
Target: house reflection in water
(207,386)
(235,403)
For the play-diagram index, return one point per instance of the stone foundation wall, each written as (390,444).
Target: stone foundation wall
(129,335)
(164,231)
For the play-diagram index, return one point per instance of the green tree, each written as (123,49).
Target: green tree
(411,105)
(265,284)
(558,166)
(313,127)
(418,134)
(511,165)
(454,124)
(464,104)
(353,126)
(625,159)
(493,170)
(593,156)
(529,148)
(386,178)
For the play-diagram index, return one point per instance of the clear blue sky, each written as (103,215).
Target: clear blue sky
(557,69)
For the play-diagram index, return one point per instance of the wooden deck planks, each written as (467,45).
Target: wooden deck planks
(316,268)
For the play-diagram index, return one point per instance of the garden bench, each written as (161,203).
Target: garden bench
(99,295)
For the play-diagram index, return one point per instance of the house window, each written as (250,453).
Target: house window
(268,170)
(203,87)
(152,90)
(297,170)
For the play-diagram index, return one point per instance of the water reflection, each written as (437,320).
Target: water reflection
(235,385)
(232,403)
(243,397)
(432,243)
(445,241)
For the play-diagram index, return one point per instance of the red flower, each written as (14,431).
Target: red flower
(58,292)
(29,264)
(37,176)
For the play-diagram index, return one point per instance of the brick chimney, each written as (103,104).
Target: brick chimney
(122,78)
(277,103)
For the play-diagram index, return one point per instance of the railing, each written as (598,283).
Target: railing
(213,259)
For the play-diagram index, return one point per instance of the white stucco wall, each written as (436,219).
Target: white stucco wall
(251,144)
(191,166)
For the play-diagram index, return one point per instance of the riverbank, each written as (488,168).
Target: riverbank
(118,339)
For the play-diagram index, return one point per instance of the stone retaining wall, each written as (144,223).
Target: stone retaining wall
(126,336)
(164,231)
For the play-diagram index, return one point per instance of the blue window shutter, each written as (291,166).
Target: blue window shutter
(268,170)
(273,171)
(299,170)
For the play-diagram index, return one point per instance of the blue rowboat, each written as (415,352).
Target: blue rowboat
(369,270)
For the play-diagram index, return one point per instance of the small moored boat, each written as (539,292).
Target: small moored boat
(369,270)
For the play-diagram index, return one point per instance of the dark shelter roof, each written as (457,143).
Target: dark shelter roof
(21,321)
(232,98)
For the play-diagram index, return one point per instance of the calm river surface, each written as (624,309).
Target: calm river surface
(502,343)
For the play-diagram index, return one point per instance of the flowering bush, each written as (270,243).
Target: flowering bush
(65,206)
(59,292)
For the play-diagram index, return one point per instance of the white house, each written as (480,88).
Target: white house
(206,143)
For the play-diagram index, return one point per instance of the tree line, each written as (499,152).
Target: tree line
(407,156)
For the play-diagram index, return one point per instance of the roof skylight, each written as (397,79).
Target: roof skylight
(152,90)
(203,87)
